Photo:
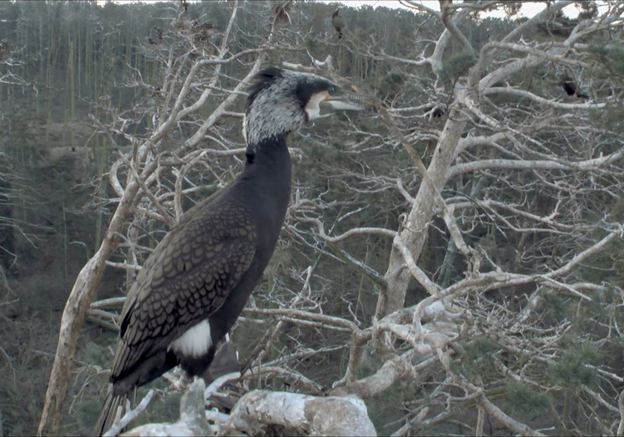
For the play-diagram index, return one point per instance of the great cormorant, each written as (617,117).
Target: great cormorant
(338,23)
(5,51)
(570,87)
(434,111)
(195,284)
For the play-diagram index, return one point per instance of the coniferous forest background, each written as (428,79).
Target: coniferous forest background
(534,186)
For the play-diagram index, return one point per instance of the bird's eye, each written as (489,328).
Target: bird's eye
(332,90)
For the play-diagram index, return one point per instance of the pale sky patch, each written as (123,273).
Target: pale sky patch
(528,9)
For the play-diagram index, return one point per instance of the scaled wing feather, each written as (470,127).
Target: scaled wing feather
(186,279)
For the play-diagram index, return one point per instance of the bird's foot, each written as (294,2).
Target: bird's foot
(181,384)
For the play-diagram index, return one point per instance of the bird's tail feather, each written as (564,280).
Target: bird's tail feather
(109,412)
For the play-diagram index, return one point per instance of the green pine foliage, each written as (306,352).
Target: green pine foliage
(391,83)
(456,65)
(526,401)
(575,367)
(97,353)
(478,359)
(87,412)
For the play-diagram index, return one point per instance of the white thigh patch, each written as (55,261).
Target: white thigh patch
(194,342)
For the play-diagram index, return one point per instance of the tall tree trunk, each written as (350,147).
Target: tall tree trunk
(414,233)
(70,75)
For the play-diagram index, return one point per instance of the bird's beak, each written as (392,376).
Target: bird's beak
(344,101)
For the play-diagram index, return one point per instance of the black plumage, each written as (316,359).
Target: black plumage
(195,284)
(434,111)
(5,51)
(225,361)
(570,87)
(202,31)
(281,10)
(338,23)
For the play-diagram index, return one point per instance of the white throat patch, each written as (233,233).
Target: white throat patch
(277,108)
(194,342)
(312,108)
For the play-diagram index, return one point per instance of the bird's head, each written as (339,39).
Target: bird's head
(281,101)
